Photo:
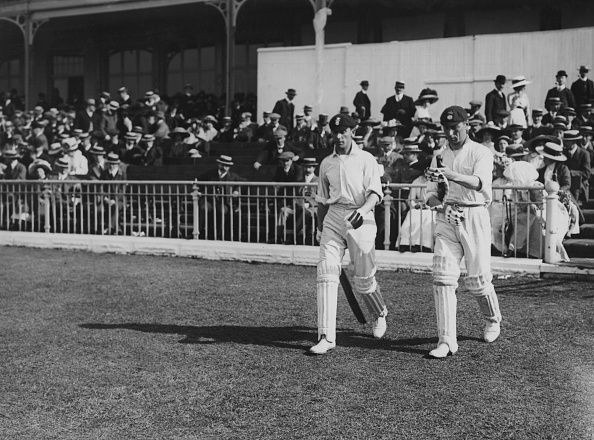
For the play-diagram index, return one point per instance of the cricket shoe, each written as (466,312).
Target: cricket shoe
(379,327)
(491,332)
(322,347)
(443,350)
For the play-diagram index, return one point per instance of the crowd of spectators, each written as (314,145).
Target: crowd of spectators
(553,143)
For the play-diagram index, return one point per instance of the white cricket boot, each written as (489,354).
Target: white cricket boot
(380,326)
(322,347)
(445,311)
(491,331)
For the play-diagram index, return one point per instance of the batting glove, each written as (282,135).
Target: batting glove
(454,215)
(434,175)
(355,219)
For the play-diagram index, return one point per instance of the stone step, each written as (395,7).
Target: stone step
(588,205)
(579,247)
(588,216)
(586,231)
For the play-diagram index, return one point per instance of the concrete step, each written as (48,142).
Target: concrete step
(579,247)
(586,231)
(588,205)
(588,216)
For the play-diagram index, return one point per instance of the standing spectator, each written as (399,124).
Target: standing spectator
(262,130)
(287,171)
(474,112)
(301,134)
(286,109)
(426,98)
(584,116)
(307,207)
(124,97)
(578,162)
(561,91)
(307,115)
(537,128)
(113,200)
(583,88)
(495,99)
(86,119)
(519,104)
(401,108)
(362,102)
(320,134)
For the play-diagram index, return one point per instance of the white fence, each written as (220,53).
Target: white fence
(460,69)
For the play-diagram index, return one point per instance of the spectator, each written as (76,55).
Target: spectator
(157,125)
(177,149)
(561,91)
(124,98)
(583,88)
(263,130)
(271,152)
(14,170)
(495,99)
(246,129)
(516,131)
(587,133)
(307,115)
(306,215)
(578,162)
(536,128)
(401,108)
(39,170)
(362,102)
(584,116)
(38,139)
(519,104)
(301,134)
(426,98)
(321,136)
(78,164)
(108,123)
(113,201)
(286,109)
(553,106)
(286,172)
(474,110)
(503,142)
(226,133)
(96,163)
(152,155)
(208,132)
(554,169)
(131,154)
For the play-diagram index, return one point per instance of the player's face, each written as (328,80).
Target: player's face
(343,139)
(456,134)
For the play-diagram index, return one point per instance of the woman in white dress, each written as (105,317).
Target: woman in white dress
(519,104)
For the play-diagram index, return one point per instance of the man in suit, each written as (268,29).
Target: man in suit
(114,195)
(578,162)
(218,202)
(14,169)
(553,106)
(286,109)
(287,171)
(400,108)
(561,91)
(87,119)
(495,99)
(583,88)
(584,116)
(362,102)
(273,149)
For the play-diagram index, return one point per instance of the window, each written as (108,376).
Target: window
(10,76)
(196,66)
(133,69)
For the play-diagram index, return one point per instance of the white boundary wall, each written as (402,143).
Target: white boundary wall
(460,69)
(254,252)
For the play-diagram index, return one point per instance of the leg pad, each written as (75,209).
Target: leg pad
(375,303)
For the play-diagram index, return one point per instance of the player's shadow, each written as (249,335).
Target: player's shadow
(295,337)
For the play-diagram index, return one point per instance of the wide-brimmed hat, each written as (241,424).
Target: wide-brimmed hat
(180,131)
(225,160)
(553,100)
(11,153)
(516,151)
(519,81)
(539,141)
(427,95)
(55,148)
(553,151)
(39,163)
(410,147)
(113,158)
(147,138)
(475,121)
(489,128)
(309,162)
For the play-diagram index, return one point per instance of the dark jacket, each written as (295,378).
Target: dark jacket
(565,95)
(561,175)
(19,172)
(362,105)
(579,169)
(583,91)
(494,102)
(286,110)
(403,111)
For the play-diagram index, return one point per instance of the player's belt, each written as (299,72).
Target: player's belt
(464,204)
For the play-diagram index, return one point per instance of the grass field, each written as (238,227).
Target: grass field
(137,347)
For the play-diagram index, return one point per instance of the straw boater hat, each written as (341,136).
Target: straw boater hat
(113,158)
(553,151)
(410,147)
(62,163)
(11,154)
(70,144)
(180,131)
(210,118)
(97,150)
(225,160)
(309,162)
(571,136)
(55,148)
(519,81)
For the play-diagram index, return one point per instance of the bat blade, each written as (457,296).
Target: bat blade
(351,298)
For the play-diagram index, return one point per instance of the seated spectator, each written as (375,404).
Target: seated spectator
(516,131)
(584,116)
(226,133)
(578,162)
(306,207)
(177,149)
(474,110)
(14,170)
(208,132)
(132,153)
(272,150)
(79,165)
(387,157)
(39,170)
(96,163)
(475,126)
(157,125)
(152,153)
(246,131)
(554,169)
(537,128)
(263,130)
(553,107)
(587,134)
(218,203)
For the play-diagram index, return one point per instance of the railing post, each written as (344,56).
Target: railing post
(387,216)
(551,232)
(195,197)
(46,208)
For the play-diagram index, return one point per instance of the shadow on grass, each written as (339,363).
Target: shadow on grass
(295,337)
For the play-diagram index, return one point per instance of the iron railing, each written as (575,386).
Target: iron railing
(253,212)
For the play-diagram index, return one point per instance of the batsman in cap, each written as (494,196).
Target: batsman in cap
(348,189)
(459,189)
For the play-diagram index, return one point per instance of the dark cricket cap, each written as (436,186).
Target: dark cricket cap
(453,115)
(340,122)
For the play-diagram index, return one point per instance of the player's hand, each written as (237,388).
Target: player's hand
(318,235)
(257,165)
(355,219)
